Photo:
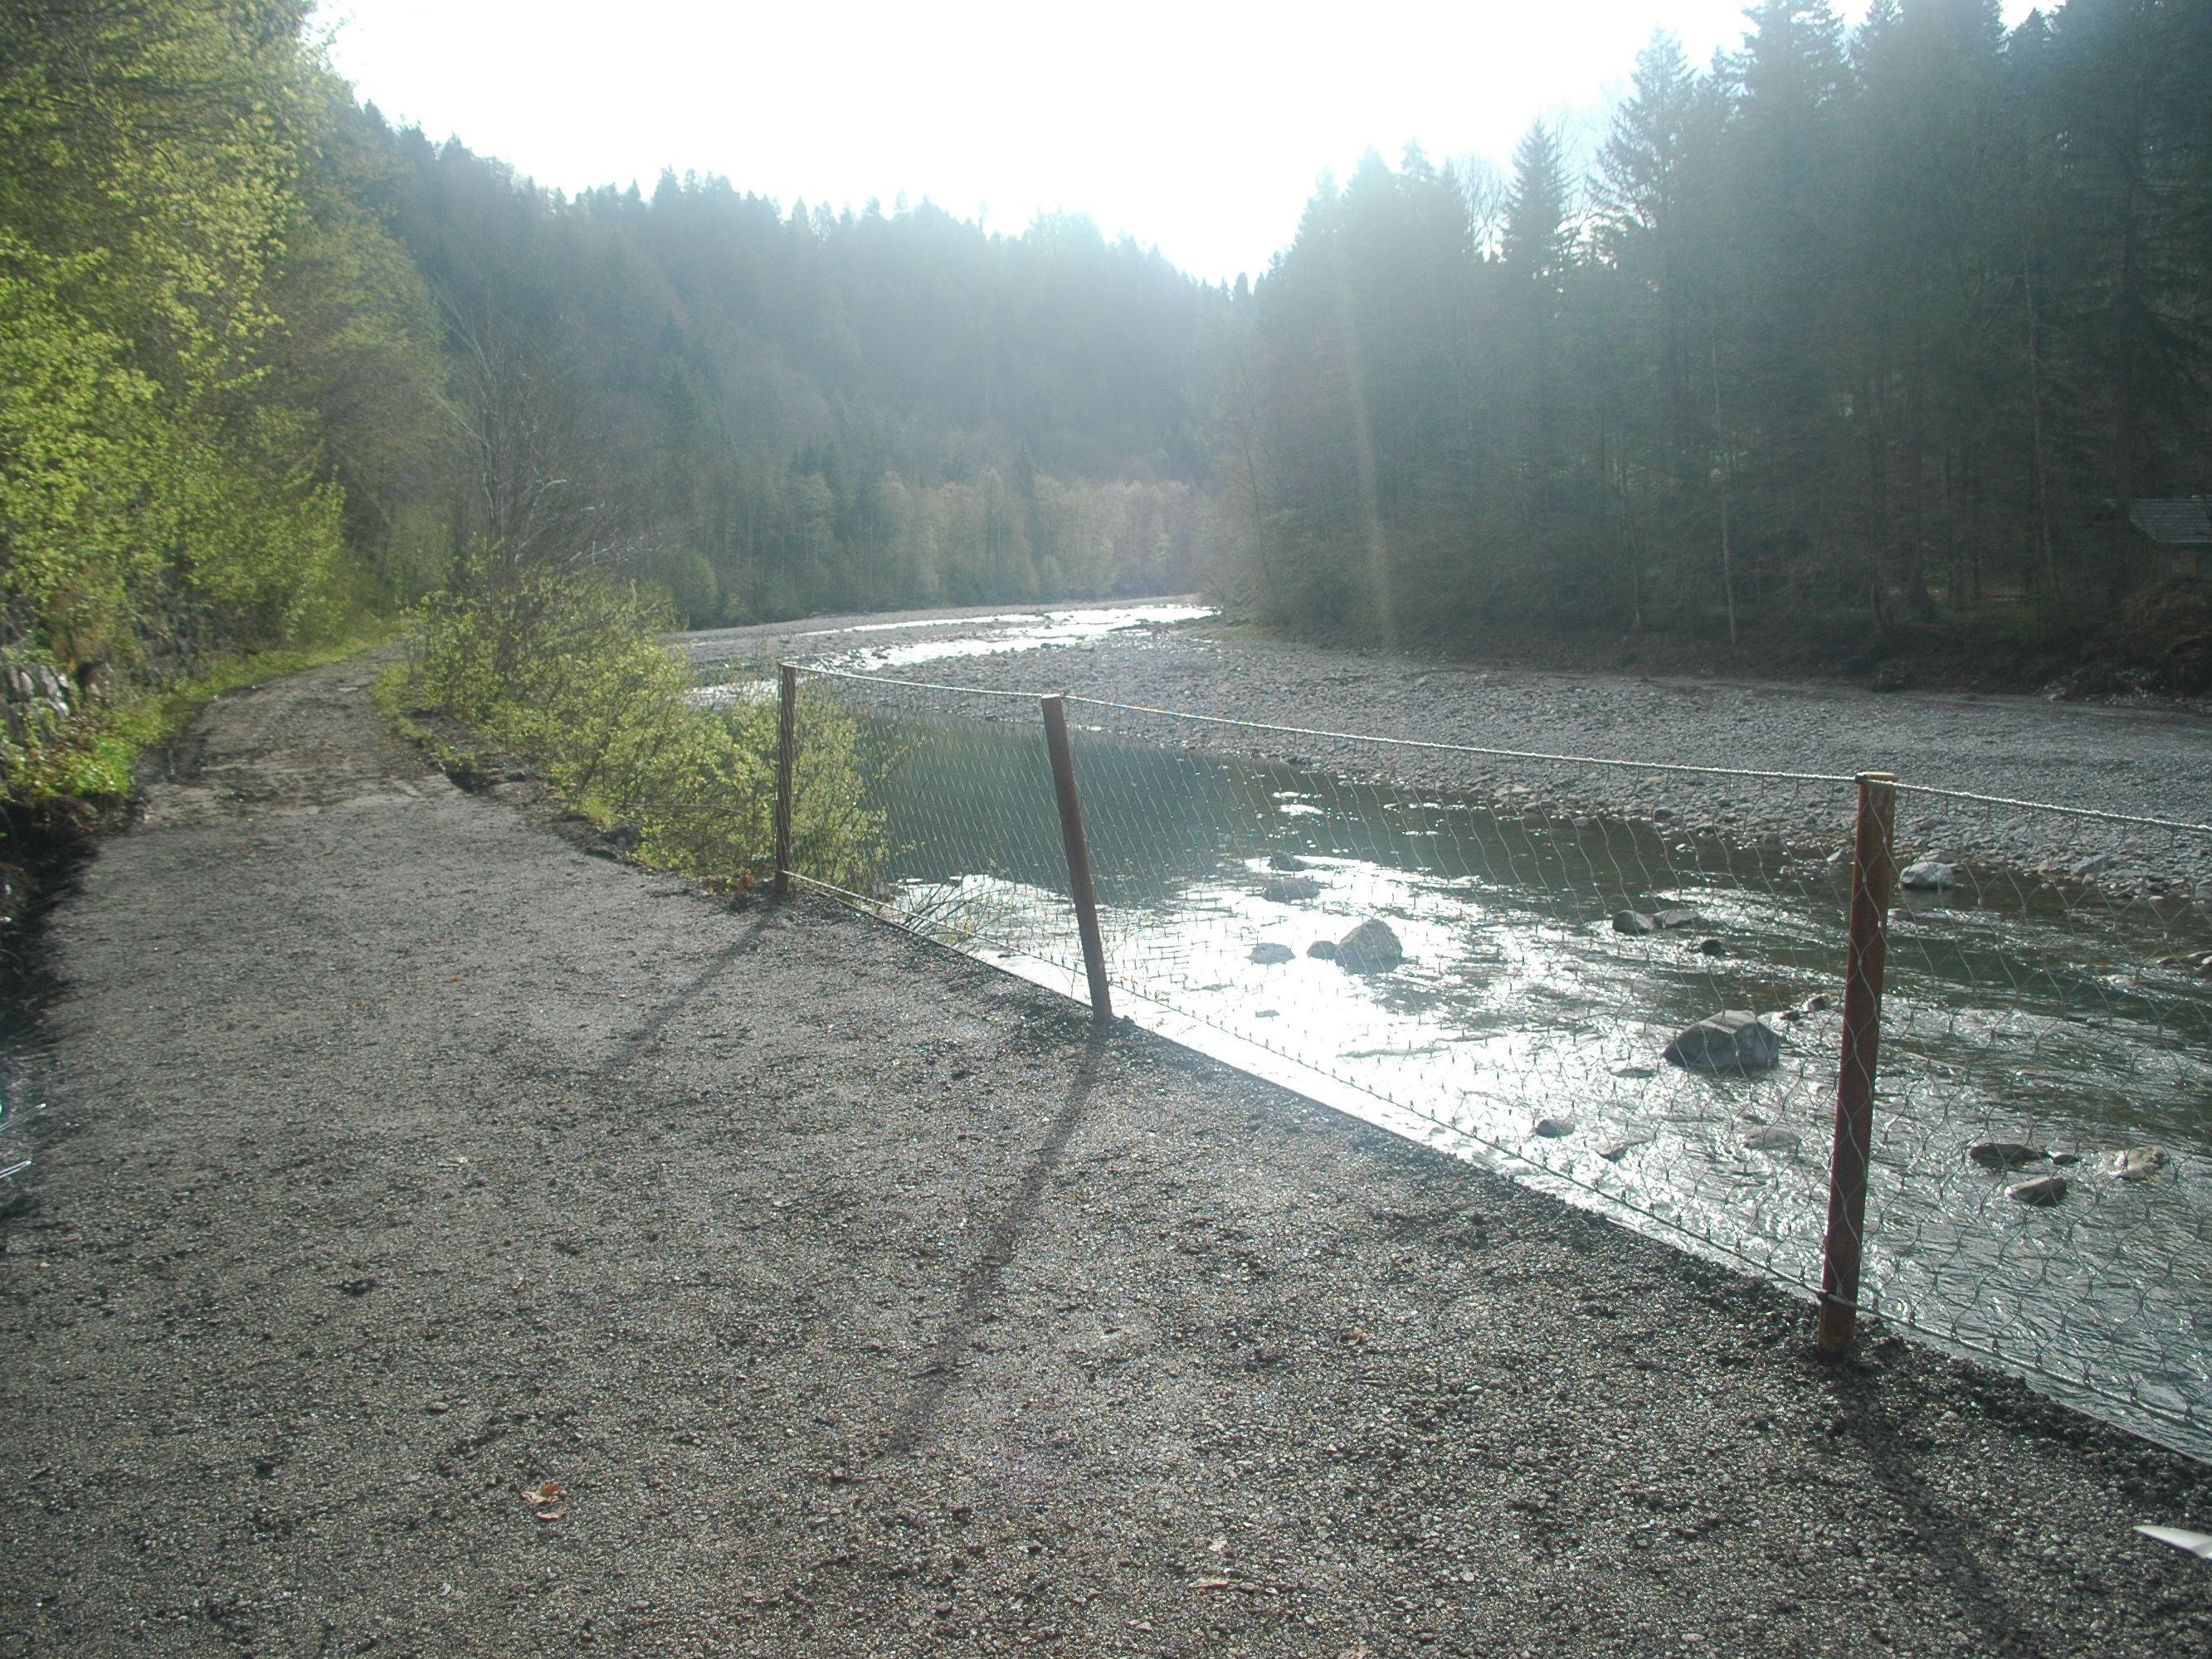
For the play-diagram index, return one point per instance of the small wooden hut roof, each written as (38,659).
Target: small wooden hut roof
(2176,521)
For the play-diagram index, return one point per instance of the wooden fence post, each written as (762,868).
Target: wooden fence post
(787,748)
(1079,856)
(1873,875)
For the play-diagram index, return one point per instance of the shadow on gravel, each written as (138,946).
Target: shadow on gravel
(1886,1451)
(668,1007)
(918,1415)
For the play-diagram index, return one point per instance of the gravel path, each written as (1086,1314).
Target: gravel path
(2141,762)
(403,1156)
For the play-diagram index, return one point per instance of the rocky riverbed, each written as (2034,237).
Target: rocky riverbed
(2138,762)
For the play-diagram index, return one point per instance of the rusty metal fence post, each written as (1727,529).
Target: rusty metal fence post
(1873,875)
(786,746)
(1079,856)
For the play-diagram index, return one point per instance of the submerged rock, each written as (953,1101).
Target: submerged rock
(1551,1128)
(1285,862)
(1633,921)
(1928,876)
(1290,890)
(1773,1139)
(1712,947)
(2005,1154)
(1734,1041)
(1621,1145)
(2139,1162)
(1369,946)
(1267,956)
(2043,1191)
(1670,920)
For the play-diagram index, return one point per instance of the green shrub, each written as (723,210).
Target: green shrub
(566,670)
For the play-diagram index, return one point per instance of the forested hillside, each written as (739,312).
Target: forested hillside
(1842,334)
(776,410)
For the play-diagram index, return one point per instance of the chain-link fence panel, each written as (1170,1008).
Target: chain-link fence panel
(1640,1010)
(2043,1122)
(966,844)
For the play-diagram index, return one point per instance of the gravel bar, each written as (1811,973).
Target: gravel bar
(2145,763)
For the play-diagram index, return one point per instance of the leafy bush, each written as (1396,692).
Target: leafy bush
(566,670)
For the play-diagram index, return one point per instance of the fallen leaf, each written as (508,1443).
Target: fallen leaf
(2181,1538)
(551,1515)
(1209,1584)
(544,1493)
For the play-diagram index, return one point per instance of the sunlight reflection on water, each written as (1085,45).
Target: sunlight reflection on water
(1020,630)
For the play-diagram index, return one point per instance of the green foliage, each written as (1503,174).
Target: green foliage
(566,670)
(216,369)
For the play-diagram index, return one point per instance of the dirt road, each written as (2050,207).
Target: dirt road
(404,1158)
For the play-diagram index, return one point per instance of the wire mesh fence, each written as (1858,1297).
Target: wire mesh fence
(1641,1010)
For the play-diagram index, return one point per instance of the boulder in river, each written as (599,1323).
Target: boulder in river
(1268,956)
(1286,863)
(2043,1191)
(1633,921)
(1551,1128)
(2139,1162)
(1731,1041)
(1369,946)
(1668,921)
(1322,950)
(2005,1154)
(1290,890)
(1712,947)
(1928,876)
(1622,1144)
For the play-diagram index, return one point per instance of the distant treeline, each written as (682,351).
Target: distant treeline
(772,412)
(1842,333)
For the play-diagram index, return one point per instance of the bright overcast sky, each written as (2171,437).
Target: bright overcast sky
(1198,127)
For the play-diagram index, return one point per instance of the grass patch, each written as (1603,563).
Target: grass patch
(80,769)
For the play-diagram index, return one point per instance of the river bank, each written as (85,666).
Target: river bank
(2146,762)
(404,1158)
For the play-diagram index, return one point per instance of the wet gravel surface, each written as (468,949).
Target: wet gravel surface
(404,1158)
(2143,762)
